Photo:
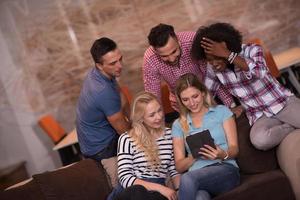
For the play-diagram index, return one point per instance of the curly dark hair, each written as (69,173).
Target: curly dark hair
(159,35)
(100,47)
(219,32)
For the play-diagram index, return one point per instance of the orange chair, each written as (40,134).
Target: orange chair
(268,56)
(56,132)
(165,99)
(124,89)
(52,128)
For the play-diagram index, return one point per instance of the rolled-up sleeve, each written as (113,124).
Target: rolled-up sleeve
(255,60)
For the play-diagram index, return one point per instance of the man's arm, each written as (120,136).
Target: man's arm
(113,107)
(151,78)
(119,122)
(125,98)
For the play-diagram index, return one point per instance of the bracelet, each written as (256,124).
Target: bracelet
(235,55)
(231,57)
(226,157)
(232,105)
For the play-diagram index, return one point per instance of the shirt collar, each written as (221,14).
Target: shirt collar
(189,118)
(102,76)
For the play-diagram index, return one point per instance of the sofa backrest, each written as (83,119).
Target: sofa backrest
(28,191)
(83,180)
(251,160)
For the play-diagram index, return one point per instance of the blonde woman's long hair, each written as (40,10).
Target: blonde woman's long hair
(142,134)
(184,82)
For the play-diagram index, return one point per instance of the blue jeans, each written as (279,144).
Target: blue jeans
(107,152)
(208,181)
(119,189)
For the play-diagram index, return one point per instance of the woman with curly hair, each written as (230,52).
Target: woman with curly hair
(272,110)
(145,153)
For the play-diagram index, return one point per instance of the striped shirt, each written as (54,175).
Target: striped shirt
(132,163)
(258,91)
(155,69)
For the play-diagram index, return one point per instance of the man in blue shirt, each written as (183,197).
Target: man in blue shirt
(100,115)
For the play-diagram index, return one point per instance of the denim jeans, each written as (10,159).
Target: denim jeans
(120,193)
(208,181)
(109,151)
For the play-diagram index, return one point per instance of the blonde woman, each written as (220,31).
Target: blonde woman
(145,153)
(215,171)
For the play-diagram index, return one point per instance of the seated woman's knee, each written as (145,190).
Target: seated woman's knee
(186,179)
(262,143)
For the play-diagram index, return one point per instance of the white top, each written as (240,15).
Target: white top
(132,163)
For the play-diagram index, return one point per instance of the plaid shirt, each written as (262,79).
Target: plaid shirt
(155,69)
(258,91)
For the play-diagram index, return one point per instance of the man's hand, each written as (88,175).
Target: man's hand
(237,111)
(218,49)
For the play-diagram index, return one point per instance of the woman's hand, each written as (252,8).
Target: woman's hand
(218,49)
(211,153)
(169,193)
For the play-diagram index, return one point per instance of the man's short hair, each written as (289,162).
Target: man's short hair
(218,32)
(159,35)
(100,47)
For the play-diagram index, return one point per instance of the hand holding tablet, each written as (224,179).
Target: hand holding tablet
(198,140)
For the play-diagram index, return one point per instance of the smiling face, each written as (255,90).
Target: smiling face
(192,99)
(170,53)
(153,115)
(219,64)
(111,64)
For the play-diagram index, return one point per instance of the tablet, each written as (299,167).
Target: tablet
(198,140)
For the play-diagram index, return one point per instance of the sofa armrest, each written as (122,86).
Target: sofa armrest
(288,155)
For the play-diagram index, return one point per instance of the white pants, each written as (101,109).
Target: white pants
(268,132)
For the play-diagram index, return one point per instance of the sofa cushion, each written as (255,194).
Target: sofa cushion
(288,155)
(83,180)
(251,160)
(270,185)
(28,191)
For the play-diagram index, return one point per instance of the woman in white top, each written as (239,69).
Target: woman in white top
(145,153)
